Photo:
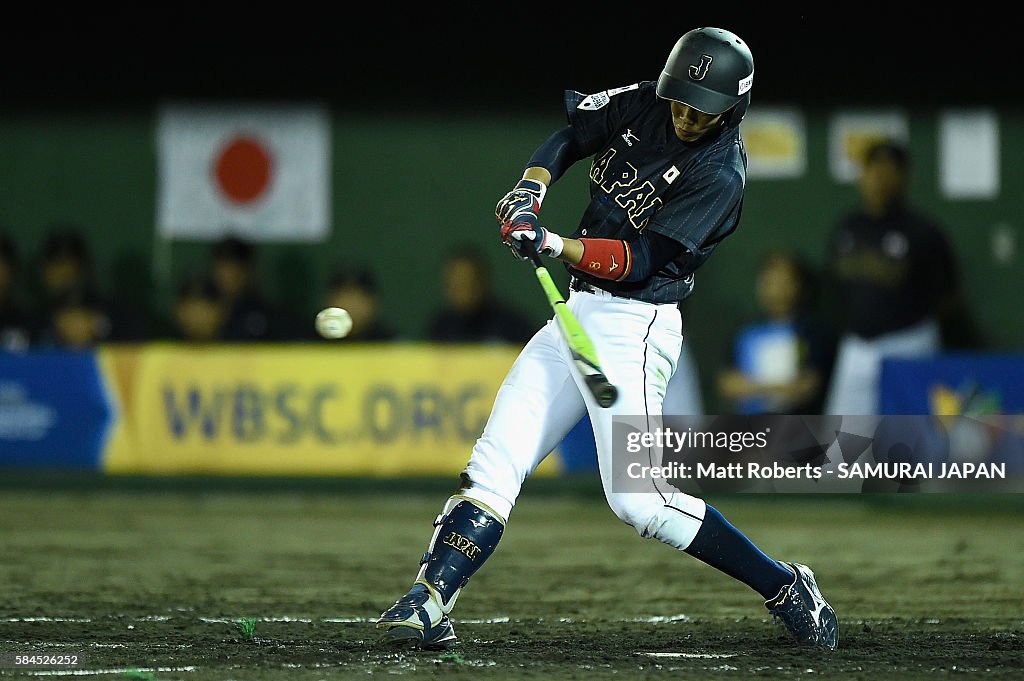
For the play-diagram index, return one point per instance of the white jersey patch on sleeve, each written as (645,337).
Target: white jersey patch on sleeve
(595,101)
(601,99)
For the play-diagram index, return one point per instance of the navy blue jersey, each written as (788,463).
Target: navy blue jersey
(643,177)
(893,270)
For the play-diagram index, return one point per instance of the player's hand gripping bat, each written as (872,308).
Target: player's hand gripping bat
(580,345)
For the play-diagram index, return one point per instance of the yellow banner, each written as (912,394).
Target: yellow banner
(382,410)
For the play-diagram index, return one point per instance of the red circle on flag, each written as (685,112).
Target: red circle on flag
(243,169)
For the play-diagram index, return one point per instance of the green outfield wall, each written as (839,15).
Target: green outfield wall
(405,190)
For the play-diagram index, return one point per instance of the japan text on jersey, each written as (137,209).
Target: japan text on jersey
(643,177)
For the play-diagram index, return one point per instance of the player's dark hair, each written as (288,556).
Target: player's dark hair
(199,286)
(890,150)
(80,298)
(234,249)
(801,267)
(352,275)
(65,242)
(472,254)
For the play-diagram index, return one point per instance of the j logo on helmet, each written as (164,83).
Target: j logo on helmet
(698,71)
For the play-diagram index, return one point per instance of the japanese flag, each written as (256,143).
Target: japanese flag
(257,172)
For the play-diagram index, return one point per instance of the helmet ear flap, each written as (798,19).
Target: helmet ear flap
(737,113)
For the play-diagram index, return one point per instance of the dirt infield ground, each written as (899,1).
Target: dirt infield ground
(150,585)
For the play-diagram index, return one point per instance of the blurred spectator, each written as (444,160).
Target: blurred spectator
(65,266)
(250,314)
(471,314)
(895,278)
(199,310)
(15,326)
(66,275)
(355,289)
(781,362)
(79,321)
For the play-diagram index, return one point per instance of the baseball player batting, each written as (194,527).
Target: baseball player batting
(667,180)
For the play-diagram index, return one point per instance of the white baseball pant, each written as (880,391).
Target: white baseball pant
(855,388)
(543,397)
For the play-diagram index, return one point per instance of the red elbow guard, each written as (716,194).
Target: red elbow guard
(605,258)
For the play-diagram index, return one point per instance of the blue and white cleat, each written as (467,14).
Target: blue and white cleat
(804,612)
(416,621)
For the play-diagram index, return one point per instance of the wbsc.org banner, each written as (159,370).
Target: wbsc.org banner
(811,454)
(384,410)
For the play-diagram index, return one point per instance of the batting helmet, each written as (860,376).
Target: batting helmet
(710,69)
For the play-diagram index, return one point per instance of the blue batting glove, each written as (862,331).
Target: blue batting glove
(522,204)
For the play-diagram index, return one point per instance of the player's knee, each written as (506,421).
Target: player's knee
(638,511)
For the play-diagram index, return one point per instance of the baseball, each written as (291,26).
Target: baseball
(333,322)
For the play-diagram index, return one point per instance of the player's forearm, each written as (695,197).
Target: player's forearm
(735,385)
(557,154)
(572,251)
(618,260)
(800,389)
(538,174)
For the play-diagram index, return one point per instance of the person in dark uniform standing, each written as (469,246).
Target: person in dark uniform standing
(667,181)
(895,278)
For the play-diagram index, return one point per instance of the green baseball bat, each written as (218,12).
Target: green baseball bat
(582,348)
